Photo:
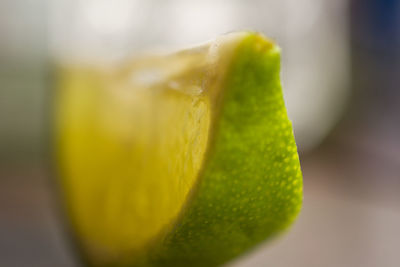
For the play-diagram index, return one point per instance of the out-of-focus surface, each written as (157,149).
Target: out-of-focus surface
(341,63)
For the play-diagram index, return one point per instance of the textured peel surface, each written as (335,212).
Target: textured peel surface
(186,159)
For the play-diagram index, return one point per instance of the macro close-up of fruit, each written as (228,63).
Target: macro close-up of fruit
(184,159)
(204,133)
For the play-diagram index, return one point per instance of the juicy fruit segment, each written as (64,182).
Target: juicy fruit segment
(187,159)
(129,157)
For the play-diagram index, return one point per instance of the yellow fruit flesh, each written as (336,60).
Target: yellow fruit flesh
(129,157)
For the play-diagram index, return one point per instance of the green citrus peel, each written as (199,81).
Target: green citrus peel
(186,159)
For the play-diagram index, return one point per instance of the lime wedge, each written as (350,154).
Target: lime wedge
(186,159)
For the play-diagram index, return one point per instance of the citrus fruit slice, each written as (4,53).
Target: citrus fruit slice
(186,159)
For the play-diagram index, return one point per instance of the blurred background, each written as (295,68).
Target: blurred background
(341,75)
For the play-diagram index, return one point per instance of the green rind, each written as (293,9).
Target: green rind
(251,185)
